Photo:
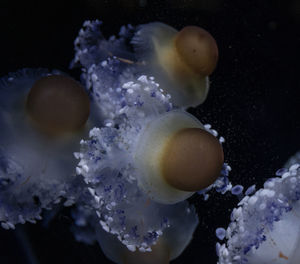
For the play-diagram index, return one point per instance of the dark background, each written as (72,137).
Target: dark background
(253,102)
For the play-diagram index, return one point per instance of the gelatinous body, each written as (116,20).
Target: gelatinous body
(36,170)
(176,231)
(180,61)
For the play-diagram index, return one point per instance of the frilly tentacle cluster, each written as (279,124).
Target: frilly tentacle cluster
(257,214)
(91,47)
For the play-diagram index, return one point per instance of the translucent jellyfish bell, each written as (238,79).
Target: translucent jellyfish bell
(265,228)
(36,154)
(182,61)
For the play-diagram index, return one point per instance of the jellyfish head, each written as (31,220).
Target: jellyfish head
(58,104)
(190,59)
(197,50)
(192,159)
(176,157)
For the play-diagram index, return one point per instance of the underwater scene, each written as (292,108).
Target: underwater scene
(139,131)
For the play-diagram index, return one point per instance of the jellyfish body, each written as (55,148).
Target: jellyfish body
(171,243)
(180,61)
(37,169)
(179,223)
(127,99)
(115,161)
(265,227)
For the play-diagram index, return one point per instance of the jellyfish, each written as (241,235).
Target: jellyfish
(181,61)
(43,115)
(129,163)
(182,222)
(265,227)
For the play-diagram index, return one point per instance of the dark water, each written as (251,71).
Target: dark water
(254,101)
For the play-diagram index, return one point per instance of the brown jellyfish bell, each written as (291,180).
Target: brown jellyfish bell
(176,157)
(192,159)
(197,50)
(58,104)
(182,60)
